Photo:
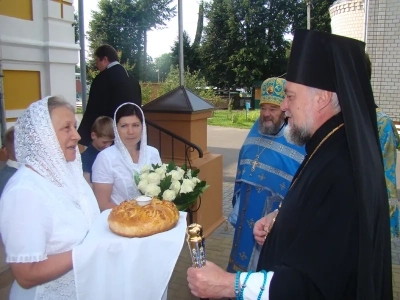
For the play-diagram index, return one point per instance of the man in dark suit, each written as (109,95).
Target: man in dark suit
(111,87)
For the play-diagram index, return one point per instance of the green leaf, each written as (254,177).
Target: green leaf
(171,166)
(204,188)
(165,183)
(195,172)
(136,177)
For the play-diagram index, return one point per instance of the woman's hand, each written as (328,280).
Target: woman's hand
(211,281)
(261,227)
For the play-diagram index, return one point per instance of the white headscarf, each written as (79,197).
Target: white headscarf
(126,157)
(36,145)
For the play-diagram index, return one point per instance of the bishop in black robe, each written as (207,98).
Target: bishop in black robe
(111,88)
(331,237)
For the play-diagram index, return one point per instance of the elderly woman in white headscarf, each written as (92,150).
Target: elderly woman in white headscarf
(47,207)
(114,168)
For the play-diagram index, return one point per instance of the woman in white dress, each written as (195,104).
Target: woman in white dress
(114,168)
(47,207)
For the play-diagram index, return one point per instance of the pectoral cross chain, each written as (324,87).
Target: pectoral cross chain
(254,163)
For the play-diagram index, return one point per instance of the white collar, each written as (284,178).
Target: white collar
(112,64)
(12,164)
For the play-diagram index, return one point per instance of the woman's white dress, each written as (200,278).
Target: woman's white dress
(109,167)
(38,219)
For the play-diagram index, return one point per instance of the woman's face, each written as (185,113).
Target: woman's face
(130,130)
(64,125)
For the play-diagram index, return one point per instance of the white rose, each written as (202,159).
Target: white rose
(180,171)
(142,186)
(175,175)
(152,190)
(161,171)
(186,188)
(189,174)
(195,180)
(145,169)
(169,195)
(153,178)
(188,182)
(165,166)
(143,176)
(175,186)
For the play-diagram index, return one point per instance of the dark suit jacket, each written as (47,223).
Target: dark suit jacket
(109,89)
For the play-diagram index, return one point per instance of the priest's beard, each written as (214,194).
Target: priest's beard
(265,127)
(299,135)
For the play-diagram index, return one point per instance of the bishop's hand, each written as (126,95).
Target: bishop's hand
(211,281)
(260,229)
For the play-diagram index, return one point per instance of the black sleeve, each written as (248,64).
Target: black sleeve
(96,107)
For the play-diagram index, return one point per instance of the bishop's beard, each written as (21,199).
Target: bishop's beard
(299,135)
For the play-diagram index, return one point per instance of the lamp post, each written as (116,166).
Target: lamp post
(82,55)
(180,25)
(308,14)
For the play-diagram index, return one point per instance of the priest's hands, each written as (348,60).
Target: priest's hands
(260,229)
(211,281)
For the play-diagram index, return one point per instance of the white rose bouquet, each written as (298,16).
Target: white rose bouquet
(171,183)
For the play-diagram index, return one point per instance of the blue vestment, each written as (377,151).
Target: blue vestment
(260,186)
(390,142)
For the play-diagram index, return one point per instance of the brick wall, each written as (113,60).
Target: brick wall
(348,18)
(383,35)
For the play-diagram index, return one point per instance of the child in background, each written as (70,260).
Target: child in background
(102,135)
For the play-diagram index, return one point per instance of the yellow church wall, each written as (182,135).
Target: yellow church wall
(20,9)
(21,88)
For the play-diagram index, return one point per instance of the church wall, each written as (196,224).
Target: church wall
(383,35)
(347,18)
(38,53)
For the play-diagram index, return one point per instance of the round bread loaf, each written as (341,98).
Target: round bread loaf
(132,220)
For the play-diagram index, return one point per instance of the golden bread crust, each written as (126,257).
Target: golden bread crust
(132,220)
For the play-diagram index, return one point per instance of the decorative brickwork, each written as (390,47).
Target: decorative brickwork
(383,35)
(348,18)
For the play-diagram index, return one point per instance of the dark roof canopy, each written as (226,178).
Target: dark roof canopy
(179,100)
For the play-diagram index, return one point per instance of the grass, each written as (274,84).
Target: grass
(234,118)
(78,110)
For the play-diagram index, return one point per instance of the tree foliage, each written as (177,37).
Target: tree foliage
(246,40)
(163,65)
(191,55)
(320,18)
(123,23)
(193,81)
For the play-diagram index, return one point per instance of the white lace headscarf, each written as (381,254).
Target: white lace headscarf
(126,157)
(36,145)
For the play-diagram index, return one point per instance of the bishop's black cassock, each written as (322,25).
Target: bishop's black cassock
(109,89)
(331,238)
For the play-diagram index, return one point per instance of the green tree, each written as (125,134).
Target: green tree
(191,57)
(200,25)
(218,43)
(163,65)
(193,81)
(244,40)
(123,24)
(320,18)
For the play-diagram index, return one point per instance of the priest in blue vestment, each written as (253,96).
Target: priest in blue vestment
(266,165)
